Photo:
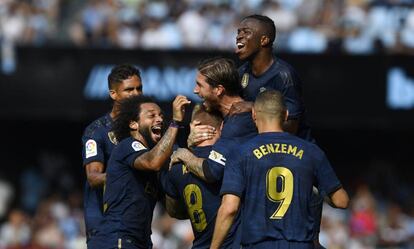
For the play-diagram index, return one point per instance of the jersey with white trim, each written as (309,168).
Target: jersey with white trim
(281,77)
(98,143)
(237,128)
(274,174)
(129,198)
(201,199)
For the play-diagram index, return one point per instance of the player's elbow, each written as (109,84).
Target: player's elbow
(340,199)
(229,208)
(95,181)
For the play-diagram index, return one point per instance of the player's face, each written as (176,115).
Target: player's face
(128,88)
(248,39)
(205,91)
(150,122)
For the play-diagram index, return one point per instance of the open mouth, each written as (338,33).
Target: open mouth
(240,46)
(156,132)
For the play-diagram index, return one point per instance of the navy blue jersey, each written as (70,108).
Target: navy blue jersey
(283,78)
(274,174)
(98,143)
(129,197)
(237,129)
(201,199)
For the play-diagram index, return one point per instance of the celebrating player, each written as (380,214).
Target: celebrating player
(272,178)
(131,188)
(98,141)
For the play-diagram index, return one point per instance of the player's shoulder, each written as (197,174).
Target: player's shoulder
(99,125)
(313,148)
(285,71)
(129,145)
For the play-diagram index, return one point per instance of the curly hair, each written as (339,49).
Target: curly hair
(129,110)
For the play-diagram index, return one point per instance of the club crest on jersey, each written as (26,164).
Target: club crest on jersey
(112,138)
(91,148)
(217,157)
(245,80)
(137,146)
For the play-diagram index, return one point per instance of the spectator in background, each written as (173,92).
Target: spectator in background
(16,231)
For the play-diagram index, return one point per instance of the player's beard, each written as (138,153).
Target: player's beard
(146,133)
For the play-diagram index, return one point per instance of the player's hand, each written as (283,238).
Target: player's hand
(179,107)
(176,156)
(239,107)
(199,133)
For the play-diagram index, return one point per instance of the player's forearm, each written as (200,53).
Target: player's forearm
(96,179)
(194,164)
(157,156)
(224,221)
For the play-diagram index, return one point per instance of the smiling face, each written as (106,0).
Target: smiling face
(206,92)
(253,36)
(150,123)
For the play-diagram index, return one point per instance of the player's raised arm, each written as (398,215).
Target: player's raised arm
(158,155)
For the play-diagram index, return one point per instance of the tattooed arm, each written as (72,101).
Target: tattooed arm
(157,156)
(194,164)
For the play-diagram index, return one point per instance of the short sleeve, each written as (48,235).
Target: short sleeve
(92,149)
(328,182)
(216,161)
(233,179)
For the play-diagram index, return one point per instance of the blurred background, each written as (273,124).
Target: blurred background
(355,58)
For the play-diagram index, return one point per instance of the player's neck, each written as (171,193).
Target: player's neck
(261,63)
(227,102)
(114,111)
(268,126)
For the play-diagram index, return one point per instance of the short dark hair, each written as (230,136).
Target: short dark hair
(122,72)
(268,25)
(221,71)
(129,110)
(212,117)
(271,103)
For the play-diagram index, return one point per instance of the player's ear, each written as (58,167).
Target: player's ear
(112,94)
(264,41)
(253,114)
(133,125)
(219,90)
(286,115)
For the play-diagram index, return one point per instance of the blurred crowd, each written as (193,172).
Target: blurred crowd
(308,26)
(43,210)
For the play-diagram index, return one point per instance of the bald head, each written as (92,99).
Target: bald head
(269,105)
